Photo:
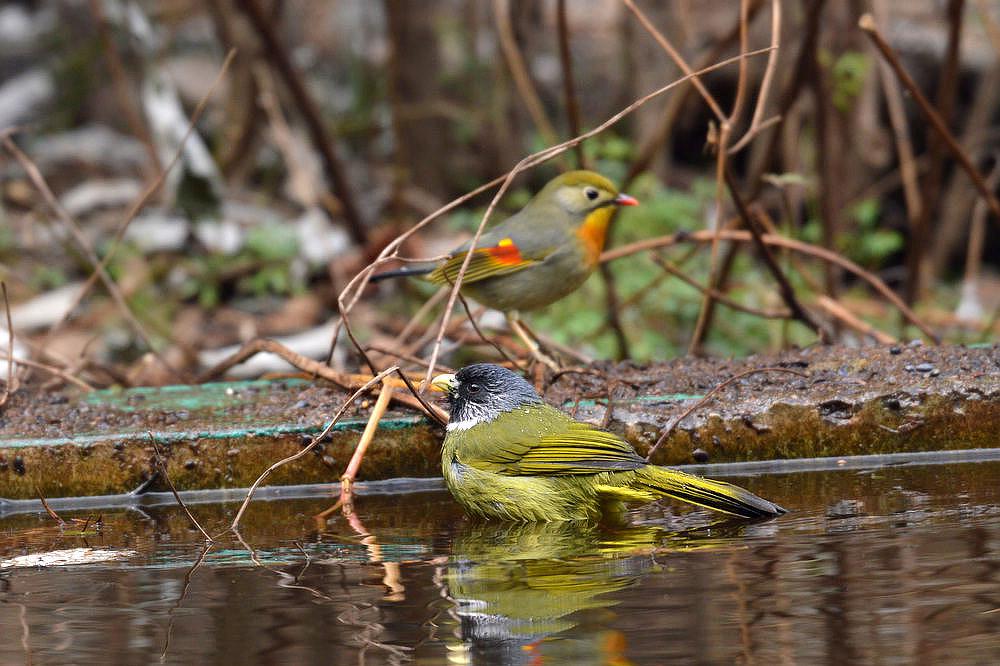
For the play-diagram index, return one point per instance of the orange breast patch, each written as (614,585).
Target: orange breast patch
(594,230)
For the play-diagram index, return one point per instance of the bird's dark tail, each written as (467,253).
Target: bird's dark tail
(716,495)
(409,271)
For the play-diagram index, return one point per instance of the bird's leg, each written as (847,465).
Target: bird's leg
(519,328)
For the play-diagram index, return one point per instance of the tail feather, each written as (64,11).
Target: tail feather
(715,495)
(401,272)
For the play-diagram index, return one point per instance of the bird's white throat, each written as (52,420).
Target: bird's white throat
(464,424)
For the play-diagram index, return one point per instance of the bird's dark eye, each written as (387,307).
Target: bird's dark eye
(474,388)
(591,193)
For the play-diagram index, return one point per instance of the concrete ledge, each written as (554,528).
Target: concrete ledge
(850,402)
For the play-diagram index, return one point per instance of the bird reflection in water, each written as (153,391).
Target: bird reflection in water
(535,592)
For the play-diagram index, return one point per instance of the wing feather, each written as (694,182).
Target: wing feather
(486,262)
(570,448)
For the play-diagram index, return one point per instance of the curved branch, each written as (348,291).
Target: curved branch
(778,241)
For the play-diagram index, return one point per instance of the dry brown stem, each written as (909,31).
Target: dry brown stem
(306,449)
(173,489)
(8,387)
(313,367)
(718,295)
(867,24)
(778,241)
(52,370)
(279,58)
(679,60)
(519,71)
(785,287)
(845,316)
(144,198)
(84,245)
(351,471)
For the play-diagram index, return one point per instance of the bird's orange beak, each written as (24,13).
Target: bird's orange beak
(625,200)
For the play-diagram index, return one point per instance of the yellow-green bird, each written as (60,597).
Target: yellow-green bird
(537,256)
(507,455)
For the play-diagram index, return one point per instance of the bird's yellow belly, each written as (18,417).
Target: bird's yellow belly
(522,498)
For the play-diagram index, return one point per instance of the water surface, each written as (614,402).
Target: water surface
(883,566)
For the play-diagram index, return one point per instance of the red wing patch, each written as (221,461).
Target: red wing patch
(506,252)
(486,262)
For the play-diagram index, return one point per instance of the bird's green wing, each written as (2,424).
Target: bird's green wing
(493,258)
(561,447)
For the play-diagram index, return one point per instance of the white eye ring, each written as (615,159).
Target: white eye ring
(591,193)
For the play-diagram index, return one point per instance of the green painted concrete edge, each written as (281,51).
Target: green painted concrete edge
(172,395)
(394,423)
(218,395)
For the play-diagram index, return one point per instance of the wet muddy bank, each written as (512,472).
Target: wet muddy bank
(848,402)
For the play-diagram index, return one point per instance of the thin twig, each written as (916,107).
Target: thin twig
(718,295)
(708,396)
(778,241)
(658,137)
(52,370)
(144,198)
(519,70)
(308,365)
(48,509)
(785,287)
(306,449)
(173,489)
(351,471)
(741,80)
(9,387)
(714,275)
(725,132)
(490,341)
(570,100)
(435,412)
(835,309)
(613,312)
(180,599)
(85,246)
(757,122)
(867,24)
(679,61)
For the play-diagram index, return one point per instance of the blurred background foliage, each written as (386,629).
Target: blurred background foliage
(340,124)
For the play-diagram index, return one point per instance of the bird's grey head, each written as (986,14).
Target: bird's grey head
(481,392)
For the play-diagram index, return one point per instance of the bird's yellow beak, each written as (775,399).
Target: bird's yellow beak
(445,383)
